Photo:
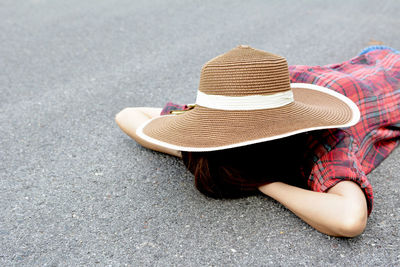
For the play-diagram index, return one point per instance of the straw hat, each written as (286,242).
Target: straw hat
(245,97)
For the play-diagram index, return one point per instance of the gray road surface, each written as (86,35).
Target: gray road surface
(74,190)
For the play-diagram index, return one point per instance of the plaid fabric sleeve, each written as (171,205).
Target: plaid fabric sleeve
(172,106)
(337,165)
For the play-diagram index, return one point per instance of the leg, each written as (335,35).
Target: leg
(129,119)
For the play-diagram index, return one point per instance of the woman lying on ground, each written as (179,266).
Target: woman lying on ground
(304,136)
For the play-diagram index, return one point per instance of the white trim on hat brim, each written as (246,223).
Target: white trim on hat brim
(350,103)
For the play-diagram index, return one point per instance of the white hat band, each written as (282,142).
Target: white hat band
(250,102)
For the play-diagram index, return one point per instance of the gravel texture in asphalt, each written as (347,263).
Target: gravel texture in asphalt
(74,190)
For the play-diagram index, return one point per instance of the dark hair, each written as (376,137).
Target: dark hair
(238,172)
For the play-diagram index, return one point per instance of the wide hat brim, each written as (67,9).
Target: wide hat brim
(206,129)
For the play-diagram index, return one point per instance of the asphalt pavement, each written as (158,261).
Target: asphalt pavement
(74,190)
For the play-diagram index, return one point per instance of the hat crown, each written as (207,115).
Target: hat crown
(245,71)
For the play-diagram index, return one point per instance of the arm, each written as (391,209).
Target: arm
(342,211)
(129,119)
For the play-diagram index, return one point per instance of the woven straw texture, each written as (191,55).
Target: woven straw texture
(203,127)
(245,71)
(240,72)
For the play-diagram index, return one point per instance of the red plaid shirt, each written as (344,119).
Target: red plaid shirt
(372,81)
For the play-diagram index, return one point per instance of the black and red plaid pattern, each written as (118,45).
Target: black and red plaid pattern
(171,107)
(372,81)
